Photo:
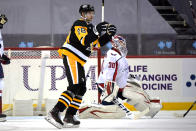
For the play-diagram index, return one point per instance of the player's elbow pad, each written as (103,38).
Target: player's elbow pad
(91,37)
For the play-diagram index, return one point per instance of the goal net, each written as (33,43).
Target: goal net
(32,68)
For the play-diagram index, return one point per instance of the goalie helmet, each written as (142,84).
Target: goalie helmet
(119,43)
(86,8)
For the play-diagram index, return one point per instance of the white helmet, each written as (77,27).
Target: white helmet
(119,43)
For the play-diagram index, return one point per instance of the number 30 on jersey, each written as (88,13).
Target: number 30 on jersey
(111,65)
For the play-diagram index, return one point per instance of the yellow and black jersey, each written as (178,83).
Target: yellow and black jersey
(80,41)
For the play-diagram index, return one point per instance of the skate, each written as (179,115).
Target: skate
(70,121)
(54,118)
(2,117)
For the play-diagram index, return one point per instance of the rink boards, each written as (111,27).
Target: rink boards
(173,79)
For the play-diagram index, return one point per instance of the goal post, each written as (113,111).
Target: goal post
(28,72)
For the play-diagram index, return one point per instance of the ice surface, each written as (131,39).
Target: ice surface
(164,121)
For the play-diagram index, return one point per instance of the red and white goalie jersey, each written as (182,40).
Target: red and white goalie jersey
(114,68)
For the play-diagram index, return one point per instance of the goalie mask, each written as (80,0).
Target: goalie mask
(119,43)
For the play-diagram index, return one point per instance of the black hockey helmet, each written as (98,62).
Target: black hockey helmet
(86,8)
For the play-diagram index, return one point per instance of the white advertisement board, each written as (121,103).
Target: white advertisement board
(171,79)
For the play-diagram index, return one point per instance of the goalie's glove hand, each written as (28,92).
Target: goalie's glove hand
(111,30)
(102,27)
(3,20)
(5,60)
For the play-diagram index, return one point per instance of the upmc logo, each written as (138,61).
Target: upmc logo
(53,73)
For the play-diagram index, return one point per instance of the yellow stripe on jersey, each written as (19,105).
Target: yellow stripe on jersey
(72,64)
(77,100)
(63,94)
(67,39)
(63,102)
(69,54)
(97,43)
(73,106)
(80,32)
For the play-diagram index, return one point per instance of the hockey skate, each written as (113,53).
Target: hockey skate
(70,121)
(2,117)
(54,118)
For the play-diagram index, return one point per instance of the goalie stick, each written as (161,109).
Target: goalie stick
(183,115)
(129,113)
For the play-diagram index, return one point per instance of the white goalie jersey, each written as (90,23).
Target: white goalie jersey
(114,68)
(1,44)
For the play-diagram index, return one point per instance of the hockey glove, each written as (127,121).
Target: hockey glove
(5,60)
(3,20)
(102,27)
(111,30)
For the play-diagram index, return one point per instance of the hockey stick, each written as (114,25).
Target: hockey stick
(183,115)
(129,113)
(102,11)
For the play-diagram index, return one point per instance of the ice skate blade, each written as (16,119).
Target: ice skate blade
(3,120)
(53,122)
(69,125)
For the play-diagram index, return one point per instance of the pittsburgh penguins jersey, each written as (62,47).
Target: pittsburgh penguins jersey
(81,40)
(114,68)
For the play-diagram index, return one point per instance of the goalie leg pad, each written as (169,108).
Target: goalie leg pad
(101,112)
(155,107)
(137,98)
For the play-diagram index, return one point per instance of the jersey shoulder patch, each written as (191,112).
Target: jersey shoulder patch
(113,55)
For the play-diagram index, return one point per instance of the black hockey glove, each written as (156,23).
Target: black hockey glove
(102,27)
(90,26)
(5,60)
(3,20)
(111,30)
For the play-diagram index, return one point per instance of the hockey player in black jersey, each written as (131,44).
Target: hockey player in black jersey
(75,52)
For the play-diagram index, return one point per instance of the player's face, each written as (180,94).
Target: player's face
(90,15)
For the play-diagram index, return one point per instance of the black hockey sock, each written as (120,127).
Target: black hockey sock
(64,100)
(74,106)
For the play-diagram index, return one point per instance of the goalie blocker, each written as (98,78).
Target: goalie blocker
(134,95)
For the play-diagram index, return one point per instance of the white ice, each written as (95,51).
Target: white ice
(164,121)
